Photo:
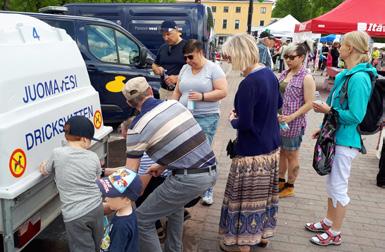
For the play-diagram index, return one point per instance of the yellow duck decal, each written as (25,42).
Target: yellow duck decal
(116,86)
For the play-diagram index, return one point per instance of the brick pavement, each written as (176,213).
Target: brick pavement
(364,227)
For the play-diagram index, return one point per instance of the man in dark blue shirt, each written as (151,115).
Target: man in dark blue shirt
(170,58)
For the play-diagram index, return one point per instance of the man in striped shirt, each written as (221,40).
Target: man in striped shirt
(169,134)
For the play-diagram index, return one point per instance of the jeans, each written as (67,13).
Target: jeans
(168,199)
(208,123)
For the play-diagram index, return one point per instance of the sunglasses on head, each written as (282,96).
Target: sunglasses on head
(290,57)
(226,58)
(190,57)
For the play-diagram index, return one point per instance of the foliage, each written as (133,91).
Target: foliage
(34,5)
(304,9)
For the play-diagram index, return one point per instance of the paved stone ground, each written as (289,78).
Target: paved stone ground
(364,227)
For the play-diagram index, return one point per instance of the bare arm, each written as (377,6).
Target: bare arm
(145,180)
(133,164)
(309,90)
(176,94)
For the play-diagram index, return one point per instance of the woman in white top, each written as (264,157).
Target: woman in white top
(201,84)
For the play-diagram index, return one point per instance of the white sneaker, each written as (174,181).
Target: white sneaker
(207,198)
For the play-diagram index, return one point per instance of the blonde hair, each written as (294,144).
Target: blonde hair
(360,42)
(242,50)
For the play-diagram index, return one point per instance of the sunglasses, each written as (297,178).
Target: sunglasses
(190,57)
(226,58)
(290,57)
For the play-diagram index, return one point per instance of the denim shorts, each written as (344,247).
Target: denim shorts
(291,143)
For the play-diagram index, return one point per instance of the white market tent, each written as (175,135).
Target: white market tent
(283,27)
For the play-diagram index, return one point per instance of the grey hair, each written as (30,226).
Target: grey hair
(134,102)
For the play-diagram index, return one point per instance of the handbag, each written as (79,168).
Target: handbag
(324,149)
(231,148)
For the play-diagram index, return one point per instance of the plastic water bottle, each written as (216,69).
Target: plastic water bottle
(165,73)
(317,96)
(190,104)
(284,126)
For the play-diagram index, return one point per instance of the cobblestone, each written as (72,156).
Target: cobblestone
(364,227)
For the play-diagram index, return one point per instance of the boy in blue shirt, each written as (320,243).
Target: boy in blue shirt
(120,189)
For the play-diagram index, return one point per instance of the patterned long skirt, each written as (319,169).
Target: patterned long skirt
(250,204)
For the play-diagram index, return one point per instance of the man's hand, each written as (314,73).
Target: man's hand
(171,79)
(43,169)
(156,170)
(123,129)
(158,70)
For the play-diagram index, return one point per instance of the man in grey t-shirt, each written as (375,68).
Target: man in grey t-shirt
(76,170)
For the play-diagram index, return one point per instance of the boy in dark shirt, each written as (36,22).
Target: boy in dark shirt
(120,189)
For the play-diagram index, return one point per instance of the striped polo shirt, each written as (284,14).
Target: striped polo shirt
(170,135)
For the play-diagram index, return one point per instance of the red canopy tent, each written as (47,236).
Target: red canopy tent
(350,15)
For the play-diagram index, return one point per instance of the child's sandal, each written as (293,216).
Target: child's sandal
(329,240)
(312,228)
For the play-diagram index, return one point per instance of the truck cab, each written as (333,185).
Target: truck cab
(112,56)
(144,20)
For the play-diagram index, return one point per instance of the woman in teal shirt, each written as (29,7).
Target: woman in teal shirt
(354,52)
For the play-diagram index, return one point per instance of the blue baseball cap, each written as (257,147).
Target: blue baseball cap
(168,26)
(122,183)
(80,126)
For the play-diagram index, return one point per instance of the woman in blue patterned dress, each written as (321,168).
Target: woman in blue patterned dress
(250,204)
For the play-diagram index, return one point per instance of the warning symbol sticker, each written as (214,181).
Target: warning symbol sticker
(18,163)
(98,119)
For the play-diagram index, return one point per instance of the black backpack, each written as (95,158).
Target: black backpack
(372,121)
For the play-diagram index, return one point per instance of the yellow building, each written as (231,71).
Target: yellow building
(230,17)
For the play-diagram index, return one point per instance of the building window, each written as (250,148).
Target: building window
(236,25)
(262,10)
(224,24)
(225,9)
(214,8)
(261,22)
(238,9)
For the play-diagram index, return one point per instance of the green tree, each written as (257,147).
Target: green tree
(300,9)
(304,9)
(320,7)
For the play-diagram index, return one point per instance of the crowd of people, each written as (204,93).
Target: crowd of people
(170,164)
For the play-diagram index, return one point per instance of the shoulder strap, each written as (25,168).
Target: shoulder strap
(344,90)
